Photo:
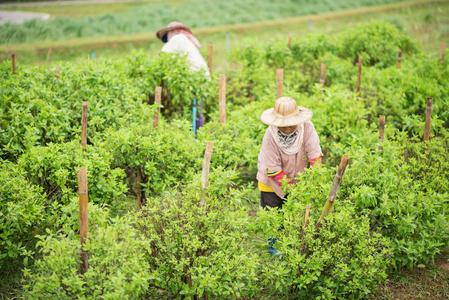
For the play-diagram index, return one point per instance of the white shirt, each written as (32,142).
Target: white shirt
(181,44)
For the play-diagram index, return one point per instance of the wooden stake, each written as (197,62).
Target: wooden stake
(333,191)
(222,99)
(399,59)
(279,82)
(443,48)
(209,59)
(139,190)
(13,59)
(157,100)
(57,73)
(428,119)
(359,76)
(84,126)
(381,128)
(84,227)
(323,71)
(306,221)
(205,174)
(289,42)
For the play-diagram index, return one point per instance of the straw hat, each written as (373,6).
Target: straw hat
(286,112)
(162,34)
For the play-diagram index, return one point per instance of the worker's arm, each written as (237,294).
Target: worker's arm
(278,175)
(319,159)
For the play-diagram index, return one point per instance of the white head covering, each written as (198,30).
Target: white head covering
(288,147)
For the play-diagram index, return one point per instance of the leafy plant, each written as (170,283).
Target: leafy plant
(197,250)
(117,268)
(377,42)
(54,169)
(23,214)
(343,259)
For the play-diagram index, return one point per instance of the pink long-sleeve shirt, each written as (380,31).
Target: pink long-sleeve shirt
(272,158)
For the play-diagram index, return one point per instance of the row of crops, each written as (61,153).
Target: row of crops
(149,18)
(391,210)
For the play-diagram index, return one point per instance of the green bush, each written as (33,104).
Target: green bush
(403,200)
(179,85)
(55,169)
(38,109)
(377,42)
(197,250)
(163,157)
(343,260)
(117,266)
(22,214)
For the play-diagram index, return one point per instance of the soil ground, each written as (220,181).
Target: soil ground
(431,282)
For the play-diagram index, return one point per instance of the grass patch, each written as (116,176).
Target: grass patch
(431,282)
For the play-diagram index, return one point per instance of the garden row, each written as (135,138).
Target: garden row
(149,18)
(391,210)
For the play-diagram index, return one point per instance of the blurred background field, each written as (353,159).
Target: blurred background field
(74,31)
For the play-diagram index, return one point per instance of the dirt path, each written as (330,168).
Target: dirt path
(19,17)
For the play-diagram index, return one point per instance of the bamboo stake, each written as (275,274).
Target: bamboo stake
(57,73)
(333,191)
(289,42)
(205,174)
(84,227)
(209,59)
(84,126)
(443,48)
(306,221)
(157,100)
(399,59)
(428,119)
(359,75)
(279,82)
(13,59)
(139,190)
(323,71)
(381,128)
(222,99)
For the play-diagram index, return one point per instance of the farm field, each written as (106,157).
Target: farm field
(157,230)
(426,21)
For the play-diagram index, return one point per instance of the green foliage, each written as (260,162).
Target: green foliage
(179,84)
(163,157)
(402,200)
(197,250)
(22,214)
(344,259)
(55,169)
(377,42)
(428,162)
(38,109)
(117,266)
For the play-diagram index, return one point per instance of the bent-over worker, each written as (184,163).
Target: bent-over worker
(179,39)
(288,144)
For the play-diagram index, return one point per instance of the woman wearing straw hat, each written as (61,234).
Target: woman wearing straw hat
(180,40)
(288,144)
